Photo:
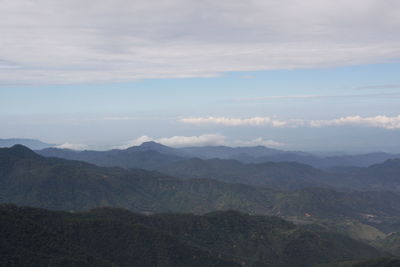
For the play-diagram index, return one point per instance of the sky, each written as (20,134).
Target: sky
(309,75)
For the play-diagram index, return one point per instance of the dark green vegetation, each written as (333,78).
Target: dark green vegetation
(251,165)
(113,237)
(383,176)
(29,179)
(291,175)
(380,262)
(279,175)
(370,217)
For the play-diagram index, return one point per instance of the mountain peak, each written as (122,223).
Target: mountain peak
(31,143)
(151,144)
(20,151)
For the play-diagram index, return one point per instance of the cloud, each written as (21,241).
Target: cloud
(72,146)
(73,41)
(254,121)
(180,141)
(258,142)
(380,121)
(201,140)
(136,142)
(385,122)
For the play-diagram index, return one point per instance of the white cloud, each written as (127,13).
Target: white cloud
(377,121)
(180,141)
(73,146)
(258,142)
(74,41)
(136,142)
(254,121)
(201,140)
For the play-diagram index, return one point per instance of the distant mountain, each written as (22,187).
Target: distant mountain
(112,237)
(153,146)
(260,154)
(151,156)
(224,152)
(27,178)
(31,143)
(278,175)
(290,175)
(383,176)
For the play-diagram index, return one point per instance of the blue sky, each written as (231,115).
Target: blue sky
(111,114)
(294,76)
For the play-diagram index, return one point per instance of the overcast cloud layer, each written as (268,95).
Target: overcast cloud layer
(71,41)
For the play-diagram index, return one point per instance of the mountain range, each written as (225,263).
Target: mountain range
(151,155)
(322,203)
(113,237)
(27,178)
(31,143)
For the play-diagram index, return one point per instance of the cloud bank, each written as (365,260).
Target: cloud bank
(201,140)
(254,121)
(385,122)
(73,41)
(73,146)
(180,141)
(380,121)
(259,141)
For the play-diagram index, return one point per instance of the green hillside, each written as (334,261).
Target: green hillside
(113,237)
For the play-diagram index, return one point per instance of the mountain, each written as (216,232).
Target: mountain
(382,176)
(278,175)
(379,262)
(290,175)
(260,154)
(33,237)
(31,143)
(27,178)
(224,152)
(151,156)
(154,146)
(113,237)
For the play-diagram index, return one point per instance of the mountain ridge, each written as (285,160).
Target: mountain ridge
(163,154)
(110,237)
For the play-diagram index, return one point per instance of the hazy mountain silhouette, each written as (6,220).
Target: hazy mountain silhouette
(31,143)
(151,155)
